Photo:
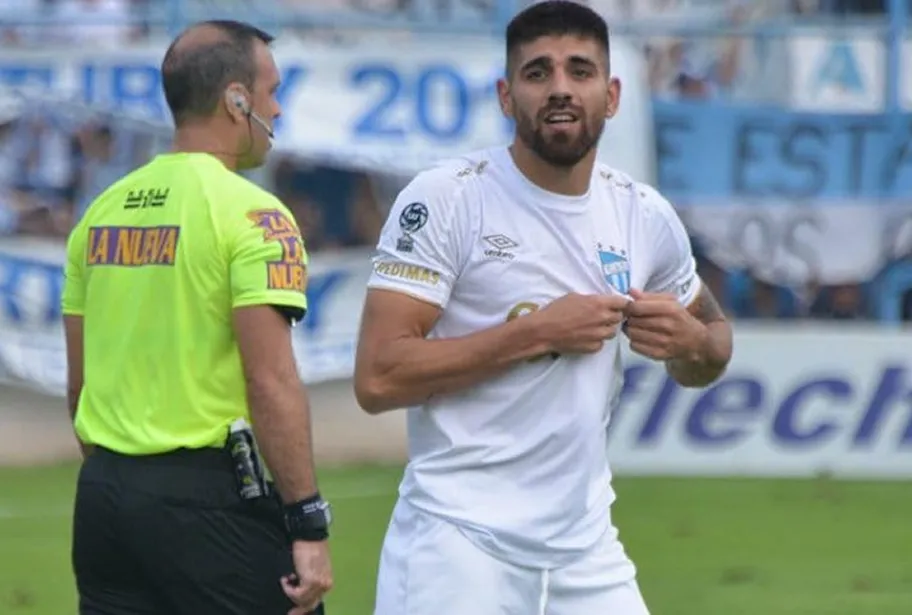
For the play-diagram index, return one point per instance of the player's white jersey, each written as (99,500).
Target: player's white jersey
(519,462)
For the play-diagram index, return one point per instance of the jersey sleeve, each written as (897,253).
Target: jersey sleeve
(73,295)
(674,267)
(268,260)
(419,252)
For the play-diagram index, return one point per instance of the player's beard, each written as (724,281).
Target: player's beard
(561,149)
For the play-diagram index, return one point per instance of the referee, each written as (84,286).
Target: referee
(182,282)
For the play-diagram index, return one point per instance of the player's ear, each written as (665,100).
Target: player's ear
(503,97)
(613,97)
(237,102)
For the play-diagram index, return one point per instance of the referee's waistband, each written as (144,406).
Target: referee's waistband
(203,477)
(199,458)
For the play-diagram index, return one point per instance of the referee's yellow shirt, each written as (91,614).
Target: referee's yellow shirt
(155,268)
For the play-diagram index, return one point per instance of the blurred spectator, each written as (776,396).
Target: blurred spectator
(805,8)
(364,217)
(53,162)
(752,297)
(311,220)
(96,167)
(100,23)
(840,302)
(337,206)
(12,201)
(853,7)
(711,64)
(693,84)
(762,300)
(11,108)
(13,33)
(41,154)
(712,275)
(906,314)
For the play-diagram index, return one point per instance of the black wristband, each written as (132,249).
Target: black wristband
(308,519)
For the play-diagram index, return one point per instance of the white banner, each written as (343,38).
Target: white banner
(838,73)
(800,245)
(374,105)
(787,195)
(844,71)
(31,328)
(796,401)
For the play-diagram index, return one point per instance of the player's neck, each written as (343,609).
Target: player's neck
(198,139)
(569,181)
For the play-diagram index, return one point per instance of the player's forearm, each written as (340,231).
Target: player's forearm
(280,414)
(708,361)
(409,371)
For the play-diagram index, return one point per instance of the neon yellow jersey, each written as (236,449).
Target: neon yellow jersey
(155,267)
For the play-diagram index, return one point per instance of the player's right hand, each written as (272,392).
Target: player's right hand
(582,323)
(314,576)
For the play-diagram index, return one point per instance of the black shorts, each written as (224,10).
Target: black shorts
(169,535)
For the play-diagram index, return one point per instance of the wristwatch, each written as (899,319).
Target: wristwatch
(308,519)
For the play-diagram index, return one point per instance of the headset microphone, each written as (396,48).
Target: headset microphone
(241,103)
(256,118)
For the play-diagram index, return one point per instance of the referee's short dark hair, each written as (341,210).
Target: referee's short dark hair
(555,18)
(194,78)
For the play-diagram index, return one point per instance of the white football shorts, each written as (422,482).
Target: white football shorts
(428,567)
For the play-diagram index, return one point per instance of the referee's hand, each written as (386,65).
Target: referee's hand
(314,576)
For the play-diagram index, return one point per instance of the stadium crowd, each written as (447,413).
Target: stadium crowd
(53,164)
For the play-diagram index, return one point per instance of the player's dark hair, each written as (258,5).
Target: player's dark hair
(555,18)
(194,79)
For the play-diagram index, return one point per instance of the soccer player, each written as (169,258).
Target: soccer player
(500,286)
(182,282)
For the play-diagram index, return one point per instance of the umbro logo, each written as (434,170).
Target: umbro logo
(500,244)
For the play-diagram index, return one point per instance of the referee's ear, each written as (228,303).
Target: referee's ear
(237,102)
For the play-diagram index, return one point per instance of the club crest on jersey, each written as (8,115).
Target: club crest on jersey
(615,268)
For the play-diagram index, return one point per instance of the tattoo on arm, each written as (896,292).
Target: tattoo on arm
(705,308)
(705,370)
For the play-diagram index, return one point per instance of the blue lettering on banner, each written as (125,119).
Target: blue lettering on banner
(292,76)
(722,415)
(17,76)
(319,288)
(136,87)
(708,151)
(839,67)
(439,102)
(133,87)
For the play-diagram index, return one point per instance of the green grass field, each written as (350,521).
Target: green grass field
(703,547)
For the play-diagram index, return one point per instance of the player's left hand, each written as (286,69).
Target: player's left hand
(660,328)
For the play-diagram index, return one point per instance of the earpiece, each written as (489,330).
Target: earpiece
(239,101)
